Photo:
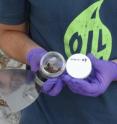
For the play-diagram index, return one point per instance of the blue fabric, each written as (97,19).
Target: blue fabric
(13,11)
(69,108)
(49,21)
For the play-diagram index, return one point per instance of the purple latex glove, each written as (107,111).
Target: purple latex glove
(52,86)
(103,73)
(33,58)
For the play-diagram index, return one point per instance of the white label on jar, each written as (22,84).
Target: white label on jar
(79,66)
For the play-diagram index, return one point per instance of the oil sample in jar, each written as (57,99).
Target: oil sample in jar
(52,64)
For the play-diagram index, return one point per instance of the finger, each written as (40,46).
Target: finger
(86,86)
(34,67)
(73,85)
(66,78)
(81,92)
(47,86)
(91,87)
(95,62)
(56,89)
(79,89)
(91,56)
(83,87)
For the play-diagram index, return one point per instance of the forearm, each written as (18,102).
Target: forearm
(16,44)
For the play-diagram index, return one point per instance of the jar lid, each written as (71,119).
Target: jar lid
(78,66)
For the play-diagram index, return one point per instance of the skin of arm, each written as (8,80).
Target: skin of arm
(15,42)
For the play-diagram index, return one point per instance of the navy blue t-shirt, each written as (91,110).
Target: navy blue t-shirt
(72,26)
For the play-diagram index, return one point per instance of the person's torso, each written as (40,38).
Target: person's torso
(73,26)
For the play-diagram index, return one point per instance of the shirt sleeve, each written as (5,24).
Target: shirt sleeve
(13,11)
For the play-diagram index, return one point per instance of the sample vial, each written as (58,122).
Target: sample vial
(52,64)
(78,66)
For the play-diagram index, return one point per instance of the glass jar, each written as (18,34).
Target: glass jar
(52,65)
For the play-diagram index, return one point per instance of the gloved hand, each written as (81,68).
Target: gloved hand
(103,73)
(33,58)
(52,86)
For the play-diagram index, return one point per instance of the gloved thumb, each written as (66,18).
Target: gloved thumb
(94,60)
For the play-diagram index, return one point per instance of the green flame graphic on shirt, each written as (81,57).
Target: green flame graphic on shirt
(88,23)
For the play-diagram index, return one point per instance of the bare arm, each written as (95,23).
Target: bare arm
(15,42)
